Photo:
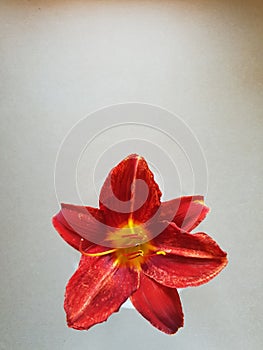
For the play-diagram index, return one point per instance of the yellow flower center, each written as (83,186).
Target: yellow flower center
(135,249)
(132,257)
(129,235)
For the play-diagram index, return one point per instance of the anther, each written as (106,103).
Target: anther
(134,255)
(161,252)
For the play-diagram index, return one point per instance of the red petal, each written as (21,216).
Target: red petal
(75,222)
(129,192)
(71,237)
(96,290)
(199,245)
(159,304)
(191,259)
(185,212)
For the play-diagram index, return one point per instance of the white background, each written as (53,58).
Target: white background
(61,60)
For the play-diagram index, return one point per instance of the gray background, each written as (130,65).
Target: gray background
(61,60)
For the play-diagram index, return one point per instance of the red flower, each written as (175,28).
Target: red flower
(143,250)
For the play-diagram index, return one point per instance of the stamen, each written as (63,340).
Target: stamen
(140,252)
(94,254)
(134,257)
(160,252)
(137,253)
(131,235)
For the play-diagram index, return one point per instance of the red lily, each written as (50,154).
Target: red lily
(143,250)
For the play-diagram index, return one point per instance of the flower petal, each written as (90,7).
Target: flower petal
(159,304)
(129,192)
(190,260)
(198,245)
(186,212)
(96,290)
(75,222)
(71,237)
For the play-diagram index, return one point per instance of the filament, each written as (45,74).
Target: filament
(95,254)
